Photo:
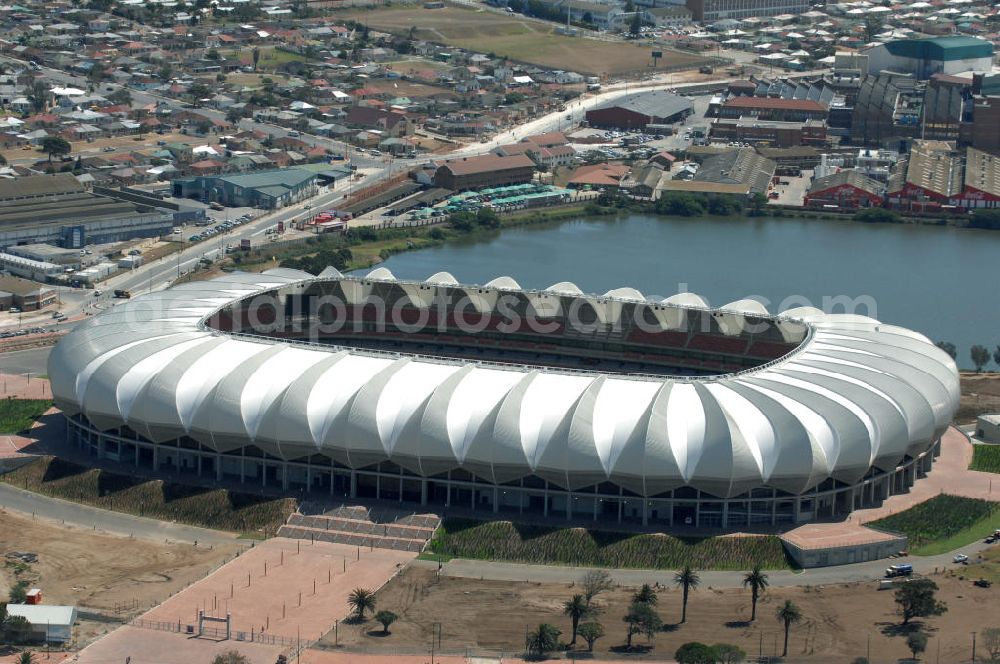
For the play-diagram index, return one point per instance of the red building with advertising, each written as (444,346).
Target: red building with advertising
(846,189)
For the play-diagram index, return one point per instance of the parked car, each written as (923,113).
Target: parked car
(960,558)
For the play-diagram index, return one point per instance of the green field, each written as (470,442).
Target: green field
(985,458)
(943,523)
(517,38)
(505,541)
(210,508)
(17,415)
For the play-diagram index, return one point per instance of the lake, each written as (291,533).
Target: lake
(938,280)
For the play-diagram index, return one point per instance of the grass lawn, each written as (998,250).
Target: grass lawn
(985,458)
(516,37)
(943,523)
(17,415)
(506,541)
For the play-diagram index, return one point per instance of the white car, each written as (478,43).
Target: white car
(960,558)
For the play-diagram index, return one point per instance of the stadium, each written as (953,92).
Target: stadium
(498,399)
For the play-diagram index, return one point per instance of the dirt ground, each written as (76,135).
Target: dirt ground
(980,394)
(121,144)
(837,620)
(102,574)
(516,37)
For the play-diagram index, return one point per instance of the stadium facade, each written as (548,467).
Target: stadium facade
(495,398)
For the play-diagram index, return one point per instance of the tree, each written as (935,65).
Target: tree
(231,657)
(38,95)
(255,54)
(576,609)
(756,580)
(980,356)
(55,145)
(18,592)
(120,96)
(590,632)
(916,600)
(361,600)
(694,652)
(916,642)
(687,579)
(727,653)
(635,25)
(949,348)
(991,641)
(3,160)
(645,595)
(386,618)
(788,613)
(996,355)
(543,640)
(641,619)
(595,582)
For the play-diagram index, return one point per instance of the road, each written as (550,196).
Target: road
(33,361)
(84,516)
(857,572)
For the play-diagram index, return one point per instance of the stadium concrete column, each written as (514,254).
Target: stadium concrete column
(218,467)
(496,500)
(423,492)
(725,513)
(284,476)
(100,447)
(569,505)
(156,457)
(797,510)
(354,484)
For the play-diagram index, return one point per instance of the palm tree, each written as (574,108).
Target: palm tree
(26,658)
(361,600)
(576,609)
(645,595)
(687,578)
(756,580)
(788,613)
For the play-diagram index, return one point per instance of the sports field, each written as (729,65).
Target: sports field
(517,38)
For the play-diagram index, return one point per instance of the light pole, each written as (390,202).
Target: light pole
(973,648)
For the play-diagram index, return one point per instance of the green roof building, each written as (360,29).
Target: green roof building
(925,57)
(268,190)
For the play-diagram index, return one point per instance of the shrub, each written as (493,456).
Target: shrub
(199,506)
(503,540)
(986,458)
(938,518)
(876,215)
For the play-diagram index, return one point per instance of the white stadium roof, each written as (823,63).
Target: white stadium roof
(854,394)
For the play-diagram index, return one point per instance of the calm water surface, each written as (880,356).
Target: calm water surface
(941,281)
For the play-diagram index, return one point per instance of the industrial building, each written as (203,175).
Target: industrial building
(268,190)
(488,170)
(709,11)
(924,57)
(25,295)
(500,399)
(56,209)
(847,189)
(639,110)
(741,171)
(773,109)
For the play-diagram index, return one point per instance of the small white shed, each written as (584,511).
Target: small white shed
(53,624)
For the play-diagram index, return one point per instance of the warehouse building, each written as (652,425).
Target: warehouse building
(25,295)
(56,209)
(49,623)
(924,57)
(268,190)
(486,170)
(846,189)
(637,111)
(742,172)
(773,109)
(709,11)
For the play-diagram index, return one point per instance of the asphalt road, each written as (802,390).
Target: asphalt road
(33,361)
(83,516)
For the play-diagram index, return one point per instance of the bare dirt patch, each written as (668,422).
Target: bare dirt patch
(980,394)
(101,573)
(838,619)
(518,38)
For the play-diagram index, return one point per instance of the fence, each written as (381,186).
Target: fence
(220,634)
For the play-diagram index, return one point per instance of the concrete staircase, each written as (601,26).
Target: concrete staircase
(354,526)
